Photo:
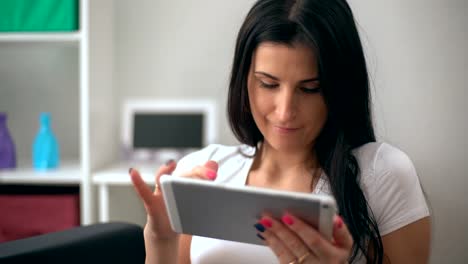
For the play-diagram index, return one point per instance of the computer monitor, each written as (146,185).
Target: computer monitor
(157,130)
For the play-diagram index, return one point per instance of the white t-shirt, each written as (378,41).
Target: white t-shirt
(388,180)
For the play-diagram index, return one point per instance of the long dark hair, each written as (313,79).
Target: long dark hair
(328,27)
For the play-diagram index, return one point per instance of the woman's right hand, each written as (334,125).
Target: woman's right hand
(158,225)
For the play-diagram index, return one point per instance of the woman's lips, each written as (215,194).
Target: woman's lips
(285,130)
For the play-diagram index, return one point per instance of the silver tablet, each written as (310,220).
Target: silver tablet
(210,209)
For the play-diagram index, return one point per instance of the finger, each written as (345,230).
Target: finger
(201,172)
(212,165)
(141,187)
(316,243)
(167,168)
(341,235)
(281,251)
(288,238)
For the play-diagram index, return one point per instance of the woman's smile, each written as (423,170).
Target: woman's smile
(285,130)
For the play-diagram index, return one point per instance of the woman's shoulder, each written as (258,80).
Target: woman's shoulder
(219,152)
(222,154)
(391,185)
(377,158)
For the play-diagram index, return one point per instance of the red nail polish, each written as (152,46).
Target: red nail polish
(287,220)
(211,175)
(339,222)
(266,222)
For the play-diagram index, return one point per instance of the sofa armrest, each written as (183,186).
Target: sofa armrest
(98,243)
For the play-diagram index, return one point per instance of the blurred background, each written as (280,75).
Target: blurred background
(416,52)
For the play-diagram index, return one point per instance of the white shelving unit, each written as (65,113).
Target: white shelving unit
(79,100)
(41,37)
(68,174)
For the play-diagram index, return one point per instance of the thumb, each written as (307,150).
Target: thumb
(212,165)
(341,235)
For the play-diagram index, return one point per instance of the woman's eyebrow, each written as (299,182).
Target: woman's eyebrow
(277,79)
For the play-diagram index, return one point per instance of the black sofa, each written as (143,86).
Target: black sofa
(99,243)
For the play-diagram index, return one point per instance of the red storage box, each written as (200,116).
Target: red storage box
(25,215)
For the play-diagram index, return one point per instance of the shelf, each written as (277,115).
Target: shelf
(40,37)
(117,174)
(69,173)
(67,73)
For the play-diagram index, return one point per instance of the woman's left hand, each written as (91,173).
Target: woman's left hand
(294,241)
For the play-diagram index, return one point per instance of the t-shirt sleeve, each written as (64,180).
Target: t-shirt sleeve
(197,158)
(395,197)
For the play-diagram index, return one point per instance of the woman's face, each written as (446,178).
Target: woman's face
(284,95)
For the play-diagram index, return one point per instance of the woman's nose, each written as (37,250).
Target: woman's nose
(286,106)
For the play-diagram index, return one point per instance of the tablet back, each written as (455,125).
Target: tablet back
(208,209)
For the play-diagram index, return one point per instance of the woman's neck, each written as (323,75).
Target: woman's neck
(284,166)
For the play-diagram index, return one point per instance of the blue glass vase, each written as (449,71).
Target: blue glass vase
(46,153)
(7,146)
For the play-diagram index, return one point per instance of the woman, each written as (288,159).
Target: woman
(299,102)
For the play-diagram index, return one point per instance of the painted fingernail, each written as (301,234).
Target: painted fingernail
(260,236)
(259,227)
(339,222)
(211,174)
(130,171)
(169,162)
(266,222)
(287,220)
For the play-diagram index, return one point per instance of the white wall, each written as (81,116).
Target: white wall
(417,58)
(170,49)
(417,50)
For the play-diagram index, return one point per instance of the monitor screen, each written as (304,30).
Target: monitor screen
(157,130)
(168,130)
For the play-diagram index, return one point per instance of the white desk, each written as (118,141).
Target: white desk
(117,175)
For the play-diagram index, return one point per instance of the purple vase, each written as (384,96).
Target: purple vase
(7,147)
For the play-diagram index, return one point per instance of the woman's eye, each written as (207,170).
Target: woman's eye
(310,90)
(267,85)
